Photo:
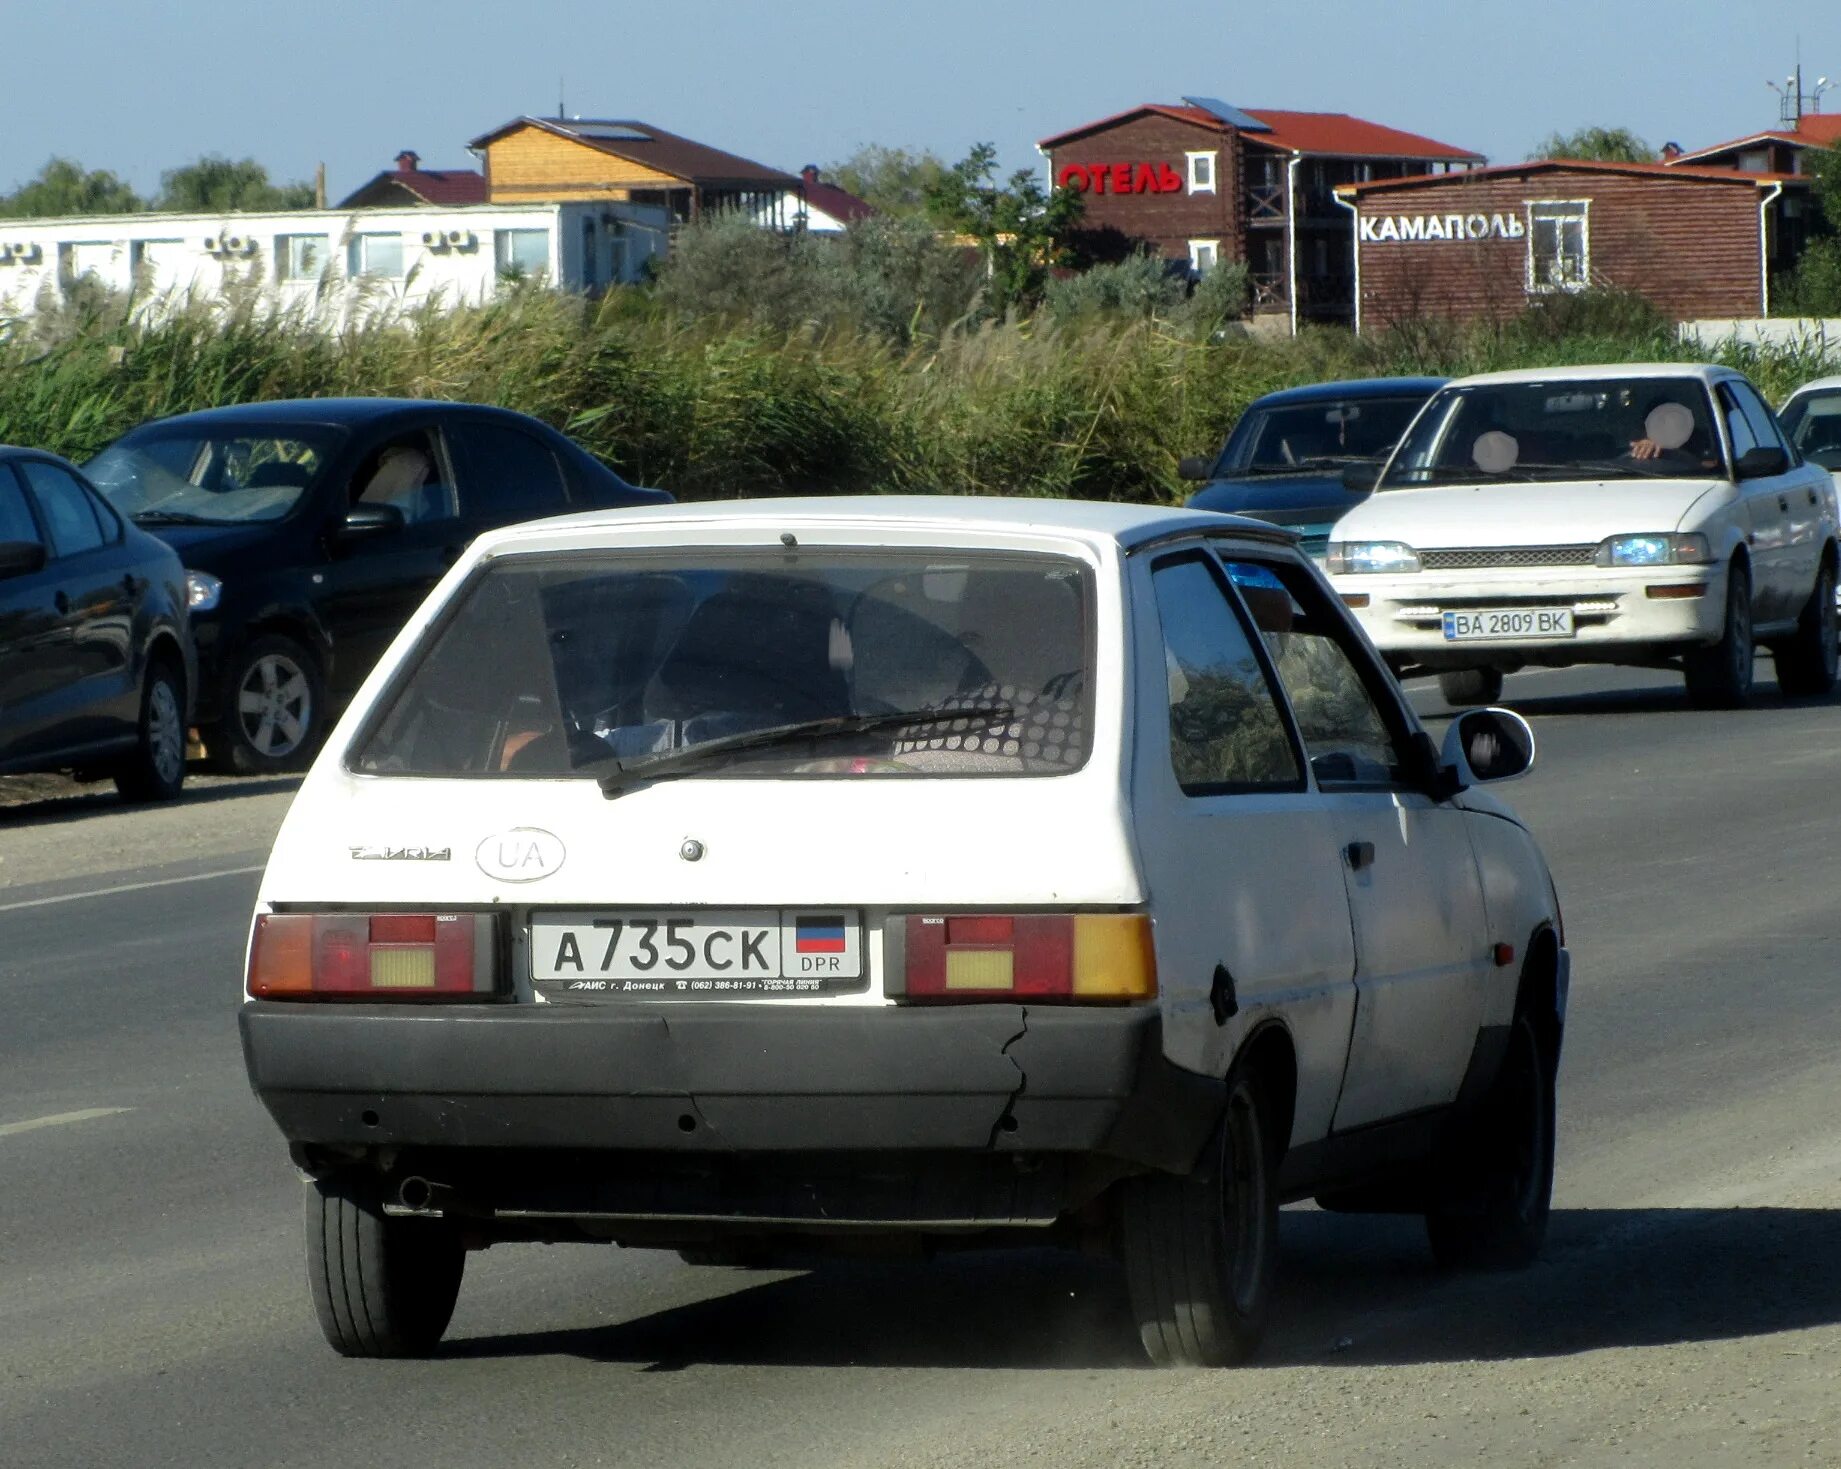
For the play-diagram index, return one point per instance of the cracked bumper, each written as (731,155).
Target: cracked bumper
(740,1080)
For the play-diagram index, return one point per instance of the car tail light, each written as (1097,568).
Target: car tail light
(1068,958)
(377,956)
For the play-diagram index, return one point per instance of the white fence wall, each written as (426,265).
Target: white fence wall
(333,265)
(1815,334)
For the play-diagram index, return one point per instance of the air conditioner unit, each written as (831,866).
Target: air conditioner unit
(239,245)
(434,240)
(213,245)
(462,239)
(30,253)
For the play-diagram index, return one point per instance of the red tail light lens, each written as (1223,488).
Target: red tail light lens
(1071,958)
(378,956)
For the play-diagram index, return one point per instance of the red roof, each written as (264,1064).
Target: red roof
(840,204)
(446,187)
(1816,130)
(1327,133)
(1573,165)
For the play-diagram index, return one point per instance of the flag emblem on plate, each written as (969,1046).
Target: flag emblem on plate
(819,933)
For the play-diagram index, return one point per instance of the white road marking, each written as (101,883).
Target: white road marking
(129,887)
(88,1114)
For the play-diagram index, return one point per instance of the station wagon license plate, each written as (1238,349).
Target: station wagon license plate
(698,954)
(1484,623)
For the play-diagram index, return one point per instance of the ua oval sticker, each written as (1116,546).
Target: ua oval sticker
(523,854)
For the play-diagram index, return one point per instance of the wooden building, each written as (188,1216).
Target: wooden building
(1205,182)
(550,159)
(1694,242)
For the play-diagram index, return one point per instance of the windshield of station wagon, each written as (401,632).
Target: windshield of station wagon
(1326,433)
(571,665)
(166,476)
(1518,433)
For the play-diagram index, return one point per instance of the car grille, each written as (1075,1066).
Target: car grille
(1473,558)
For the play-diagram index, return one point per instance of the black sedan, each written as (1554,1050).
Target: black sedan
(312,529)
(95,660)
(1285,459)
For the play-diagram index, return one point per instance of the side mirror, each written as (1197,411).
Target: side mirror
(370,520)
(1484,745)
(1193,466)
(1361,477)
(1761,462)
(21,558)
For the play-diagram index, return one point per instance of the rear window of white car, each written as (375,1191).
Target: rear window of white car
(827,663)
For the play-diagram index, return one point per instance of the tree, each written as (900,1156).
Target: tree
(1021,230)
(1813,288)
(63,186)
(895,180)
(218,185)
(1597,145)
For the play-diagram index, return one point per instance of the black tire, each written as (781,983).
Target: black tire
(1806,665)
(1467,688)
(1496,1186)
(381,1287)
(274,711)
(1201,1250)
(156,769)
(1720,676)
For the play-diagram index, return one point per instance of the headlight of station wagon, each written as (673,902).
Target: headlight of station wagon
(1354,557)
(1658,549)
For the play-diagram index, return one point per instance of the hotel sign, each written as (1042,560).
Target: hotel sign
(1418,227)
(1120,178)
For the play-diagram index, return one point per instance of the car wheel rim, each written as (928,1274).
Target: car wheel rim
(274,706)
(165,733)
(1243,1203)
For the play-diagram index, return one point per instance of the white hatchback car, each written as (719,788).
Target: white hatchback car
(762,877)
(1651,515)
(1811,419)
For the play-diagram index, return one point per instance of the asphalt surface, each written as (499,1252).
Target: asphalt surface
(1688,1311)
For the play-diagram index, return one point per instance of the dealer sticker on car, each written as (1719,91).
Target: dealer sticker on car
(701,955)
(1508,622)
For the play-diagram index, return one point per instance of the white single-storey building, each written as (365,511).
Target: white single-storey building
(335,265)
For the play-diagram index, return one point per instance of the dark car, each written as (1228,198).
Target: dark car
(312,529)
(1284,461)
(95,659)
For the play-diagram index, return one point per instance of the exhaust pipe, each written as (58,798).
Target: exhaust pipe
(418,1195)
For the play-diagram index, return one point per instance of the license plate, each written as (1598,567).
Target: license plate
(697,955)
(1485,623)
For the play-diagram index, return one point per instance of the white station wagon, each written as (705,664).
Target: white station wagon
(1650,515)
(752,879)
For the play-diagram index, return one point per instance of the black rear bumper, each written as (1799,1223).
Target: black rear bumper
(702,1082)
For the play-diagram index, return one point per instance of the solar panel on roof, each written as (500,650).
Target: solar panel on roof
(613,132)
(1232,116)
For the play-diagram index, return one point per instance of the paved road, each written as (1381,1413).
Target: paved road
(1688,1311)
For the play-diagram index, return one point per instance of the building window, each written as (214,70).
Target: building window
(1203,256)
(1559,245)
(156,262)
(522,253)
(378,255)
(1201,173)
(302,257)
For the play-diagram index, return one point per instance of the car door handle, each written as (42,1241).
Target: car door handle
(1359,855)
(62,602)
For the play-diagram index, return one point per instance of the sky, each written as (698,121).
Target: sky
(137,87)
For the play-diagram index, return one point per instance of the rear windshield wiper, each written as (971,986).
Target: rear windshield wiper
(628,773)
(173,517)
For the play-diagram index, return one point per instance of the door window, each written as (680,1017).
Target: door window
(1348,735)
(16,522)
(407,472)
(65,506)
(1227,733)
(1759,418)
(511,475)
(1744,436)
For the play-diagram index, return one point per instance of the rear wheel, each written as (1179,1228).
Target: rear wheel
(156,769)
(1200,1251)
(1466,688)
(381,1287)
(1497,1184)
(1720,676)
(274,711)
(1806,664)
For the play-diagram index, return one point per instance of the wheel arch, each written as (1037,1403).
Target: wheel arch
(1269,1054)
(1539,994)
